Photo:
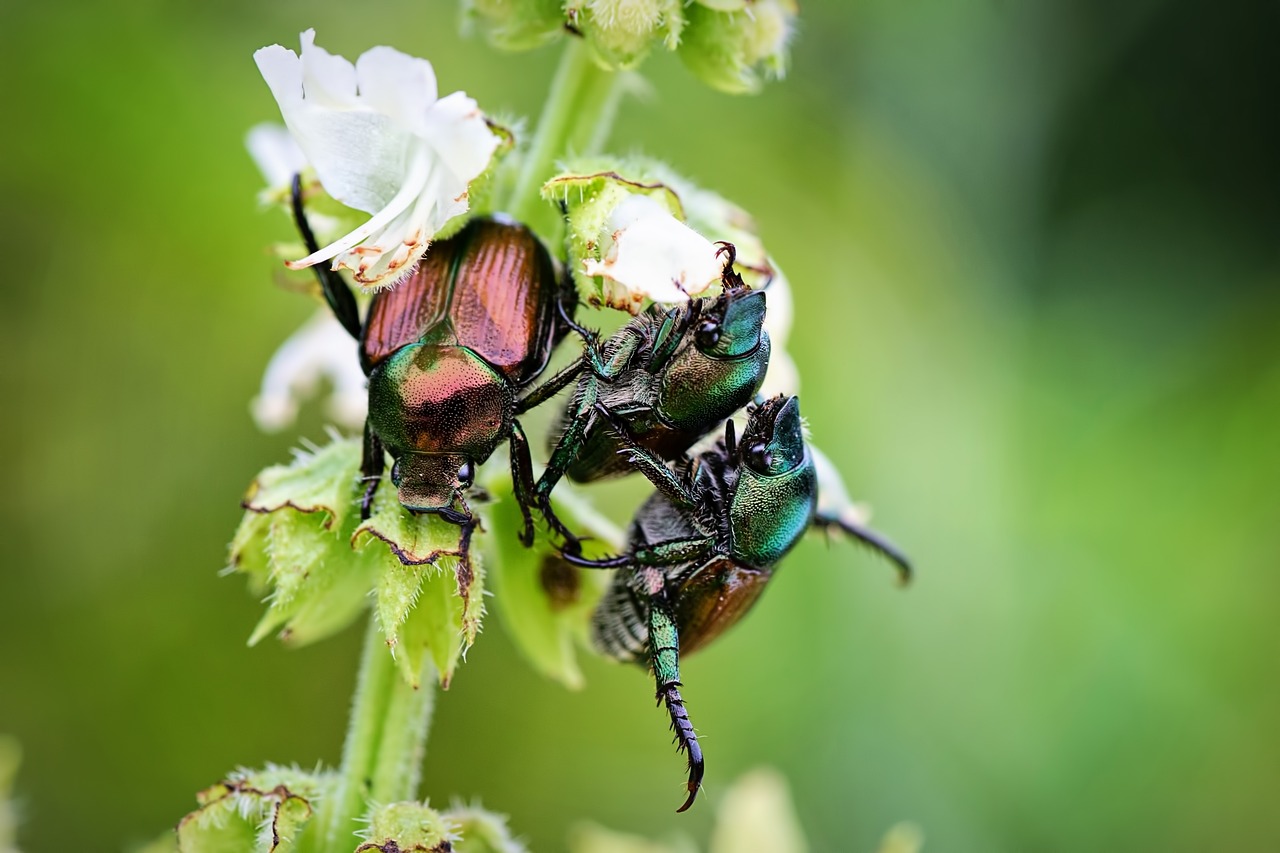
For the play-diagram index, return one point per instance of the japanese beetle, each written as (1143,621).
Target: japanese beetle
(670,376)
(448,352)
(703,547)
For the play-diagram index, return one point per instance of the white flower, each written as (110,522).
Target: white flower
(381,142)
(653,255)
(320,349)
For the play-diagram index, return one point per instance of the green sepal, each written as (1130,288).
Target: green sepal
(734,51)
(262,811)
(544,602)
(407,828)
(302,543)
(293,544)
(426,599)
(516,24)
(589,193)
(482,831)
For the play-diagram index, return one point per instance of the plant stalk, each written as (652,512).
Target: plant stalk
(576,120)
(382,755)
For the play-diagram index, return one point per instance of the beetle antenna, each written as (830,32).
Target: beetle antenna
(872,540)
(730,439)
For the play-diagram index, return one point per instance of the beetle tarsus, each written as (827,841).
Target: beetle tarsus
(686,740)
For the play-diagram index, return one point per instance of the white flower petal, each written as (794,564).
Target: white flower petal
(380,142)
(655,255)
(396,84)
(327,79)
(320,349)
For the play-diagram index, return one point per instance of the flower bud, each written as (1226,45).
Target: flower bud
(482,831)
(622,31)
(408,828)
(733,45)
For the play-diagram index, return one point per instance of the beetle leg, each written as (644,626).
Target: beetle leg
(673,552)
(372,463)
(649,464)
(522,481)
(570,444)
(336,292)
(870,538)
(664,655)
(550,388)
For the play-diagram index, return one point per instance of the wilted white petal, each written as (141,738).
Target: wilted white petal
(381,142)
(320,349)
(275,153)
(656,256)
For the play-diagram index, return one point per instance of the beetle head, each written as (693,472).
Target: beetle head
(773,440)
(730,326)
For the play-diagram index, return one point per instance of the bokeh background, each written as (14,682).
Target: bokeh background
(1034,252)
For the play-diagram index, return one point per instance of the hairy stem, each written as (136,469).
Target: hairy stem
(576,120)
(382,756)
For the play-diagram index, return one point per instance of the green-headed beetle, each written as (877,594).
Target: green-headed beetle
(702,548)
(671,375)
(448,352)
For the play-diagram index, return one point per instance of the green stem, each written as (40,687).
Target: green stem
(576,120)
(382,756)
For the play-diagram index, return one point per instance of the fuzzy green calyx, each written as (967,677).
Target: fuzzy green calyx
(590,192)
(261,811)
(734,46)
(622,32)
(301,543)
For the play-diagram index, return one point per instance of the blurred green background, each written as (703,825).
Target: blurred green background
(1033,247)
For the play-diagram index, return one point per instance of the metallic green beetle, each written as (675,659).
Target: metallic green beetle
(670,376)
(702,549)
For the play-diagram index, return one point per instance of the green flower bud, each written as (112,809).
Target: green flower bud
(516,24)
(302,543)
(408,828)
(260,811)
(732,46)
(622,32)
(544,602)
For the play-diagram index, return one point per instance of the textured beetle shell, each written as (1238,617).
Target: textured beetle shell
(492,288)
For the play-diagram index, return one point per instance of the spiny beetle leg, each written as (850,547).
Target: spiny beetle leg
(336,292)
(522,479)
(871,539)
(648,463)
(664,653)
(372,463)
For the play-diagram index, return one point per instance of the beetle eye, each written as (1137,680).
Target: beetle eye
(708,335)
(466,473)
(758,457)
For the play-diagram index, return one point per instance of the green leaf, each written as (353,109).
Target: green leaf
(545,603)
(319,480)
(427,598)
